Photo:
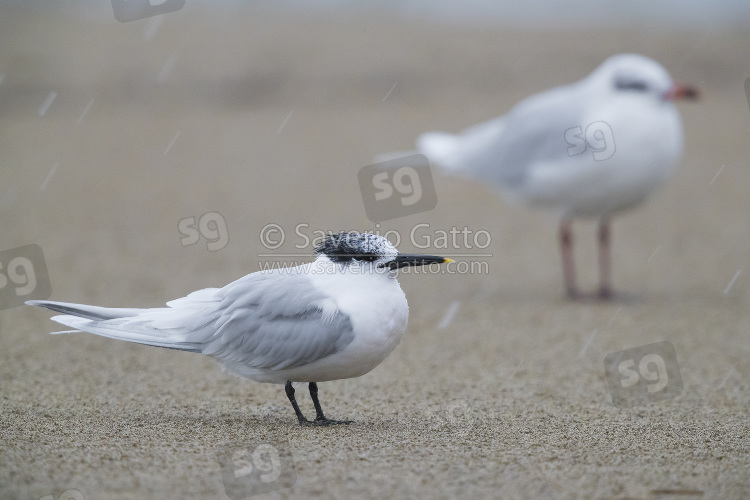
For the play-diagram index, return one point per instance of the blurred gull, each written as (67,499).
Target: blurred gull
(337,317)
(588,149)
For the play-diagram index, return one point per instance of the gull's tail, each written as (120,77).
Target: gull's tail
(438,147)
(441,149)
(157,327)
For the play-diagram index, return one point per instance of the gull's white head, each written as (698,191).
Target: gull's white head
(637,75)
(369,250)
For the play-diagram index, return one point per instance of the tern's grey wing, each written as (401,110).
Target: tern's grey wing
(503,150)
(276,320)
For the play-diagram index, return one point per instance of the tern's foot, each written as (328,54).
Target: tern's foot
(322,422)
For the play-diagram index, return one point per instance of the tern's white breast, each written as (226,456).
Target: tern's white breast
(378,311)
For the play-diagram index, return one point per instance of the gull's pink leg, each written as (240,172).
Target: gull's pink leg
(605,260)
(566,250)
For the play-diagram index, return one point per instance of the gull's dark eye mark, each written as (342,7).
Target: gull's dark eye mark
(634,85)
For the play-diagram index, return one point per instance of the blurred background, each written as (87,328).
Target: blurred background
(114,133)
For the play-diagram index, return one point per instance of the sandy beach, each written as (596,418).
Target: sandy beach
(113,133)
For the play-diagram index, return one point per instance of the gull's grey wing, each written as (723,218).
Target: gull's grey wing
(502,150)
(275,320)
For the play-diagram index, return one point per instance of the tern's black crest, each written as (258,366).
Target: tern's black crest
(347,246)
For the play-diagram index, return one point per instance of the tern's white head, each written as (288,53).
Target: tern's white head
(637,75)
(369,250)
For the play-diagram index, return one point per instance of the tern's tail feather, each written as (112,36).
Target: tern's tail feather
(143,326)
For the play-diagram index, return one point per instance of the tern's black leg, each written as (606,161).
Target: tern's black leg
(290,394)
(314,395)
(320,418)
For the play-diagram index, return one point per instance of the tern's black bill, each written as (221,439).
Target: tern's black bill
(406,260)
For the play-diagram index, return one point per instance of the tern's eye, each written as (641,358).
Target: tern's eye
(631,85)
(367,257)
